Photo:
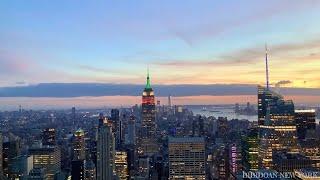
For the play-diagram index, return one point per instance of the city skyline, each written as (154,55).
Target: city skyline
(192,43)
(159,90)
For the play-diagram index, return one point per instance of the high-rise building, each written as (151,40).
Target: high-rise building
(279,130)
(250,147)
(305,122)
(38,174)
(201,126)
(105,150)
(131,131)
(115,115)
(49,137)
(169,102)
(198,126)
(11,149)
(148,125)
(233,158)
(79,146)
(195,127)
(276,119)
(1,155)
(48,157)
(187,158)
(77,170)
(79,155)
(117,127)
(289,162)
(221,162)
(222,128)
(89,170)
(311,149)
(121,165)
(266,98)
(20,166)
(131,156)
(143,168)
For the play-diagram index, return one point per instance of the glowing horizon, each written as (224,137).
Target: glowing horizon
(12,103)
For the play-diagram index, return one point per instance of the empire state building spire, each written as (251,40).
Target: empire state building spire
(148,85)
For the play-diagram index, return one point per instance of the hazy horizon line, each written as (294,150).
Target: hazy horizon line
(111,89)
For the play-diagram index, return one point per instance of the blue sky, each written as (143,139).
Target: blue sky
(182,42)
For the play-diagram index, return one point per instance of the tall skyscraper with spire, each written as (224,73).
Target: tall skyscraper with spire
(148,124)
(277,129)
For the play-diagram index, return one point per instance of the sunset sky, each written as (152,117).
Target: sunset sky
(182,42)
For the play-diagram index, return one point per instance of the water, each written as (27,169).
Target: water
(221,111)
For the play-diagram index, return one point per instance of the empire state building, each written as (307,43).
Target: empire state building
(148,126)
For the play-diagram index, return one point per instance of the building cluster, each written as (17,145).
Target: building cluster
(247,110)
(158,142)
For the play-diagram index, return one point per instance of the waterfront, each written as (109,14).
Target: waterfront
(220,111)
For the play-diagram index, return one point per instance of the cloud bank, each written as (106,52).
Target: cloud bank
(99,89)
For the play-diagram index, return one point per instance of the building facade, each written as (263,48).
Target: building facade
(105,150)
(187,158)
(148,144)
(48,158)
(79,146)
(306,122)
(121,165)
(277,129)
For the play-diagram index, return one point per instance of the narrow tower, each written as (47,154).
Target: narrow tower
(267,68)
(148,126)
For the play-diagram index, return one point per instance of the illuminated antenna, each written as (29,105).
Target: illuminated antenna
(148,85)
(267,68)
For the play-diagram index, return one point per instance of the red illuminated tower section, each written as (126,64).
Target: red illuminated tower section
(148,129)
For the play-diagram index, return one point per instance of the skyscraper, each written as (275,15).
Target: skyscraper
(79,146)
(277,129)
(121,165)
(235,159)
(89,170)
(105,150)
(148,125)
(222,124)
(79,155)
(186,158)
(169,101)
(131,131)
(49,137)
(1,155)
(201,126)
(305,121)
(11,149)
(48,158)
(117,127)
(250,147)
(77,170)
